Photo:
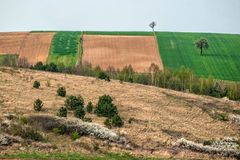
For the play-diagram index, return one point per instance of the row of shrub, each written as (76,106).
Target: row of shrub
(182,79)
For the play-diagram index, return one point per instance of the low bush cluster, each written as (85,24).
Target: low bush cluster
(106,108)
(61,91)
(36,84)
(62,112)
(74,102)
(38,104)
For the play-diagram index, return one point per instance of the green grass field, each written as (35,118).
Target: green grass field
(221,60)
(65,48)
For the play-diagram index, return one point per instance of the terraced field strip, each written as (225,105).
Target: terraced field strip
(10,42)
(120,51)
(221,60)
(65,48)
(36,47)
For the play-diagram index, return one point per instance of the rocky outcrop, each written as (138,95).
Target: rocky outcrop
(225,147)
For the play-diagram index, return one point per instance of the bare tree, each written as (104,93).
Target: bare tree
(153,25)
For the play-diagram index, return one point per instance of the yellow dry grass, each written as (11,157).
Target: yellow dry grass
(160,116)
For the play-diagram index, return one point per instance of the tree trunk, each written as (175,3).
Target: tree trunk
(201,51)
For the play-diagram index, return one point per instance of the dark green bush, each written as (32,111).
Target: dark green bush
(51,67)
(39,66)
(73,102)
(105,107)
(89,107)
(117,121)
(36,84)
(79,113)
(108,123)
(62,112)
(103,75)
(61,91)
(38,104)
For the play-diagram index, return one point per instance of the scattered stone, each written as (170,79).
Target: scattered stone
(227,147)
(7,140)
(226,99)
(41,145)
(234,118)
(76,125)
(10,115)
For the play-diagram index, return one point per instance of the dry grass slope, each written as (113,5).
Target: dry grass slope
(159,116)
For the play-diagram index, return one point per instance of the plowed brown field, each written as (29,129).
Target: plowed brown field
(10,42)
(119,51)
(35,47)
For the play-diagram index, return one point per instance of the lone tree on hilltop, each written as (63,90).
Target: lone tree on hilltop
(202,44)
(153,25)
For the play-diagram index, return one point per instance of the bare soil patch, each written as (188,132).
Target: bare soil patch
(36,47)
(120,51)
(10,42)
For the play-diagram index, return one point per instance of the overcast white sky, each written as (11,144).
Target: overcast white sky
(121,15)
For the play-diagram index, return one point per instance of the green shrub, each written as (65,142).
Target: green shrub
(62,112)
(108,123)
(222,117)
(51,67)
(73,102)
(89,107)
(79,113)
(39,66)
(56,131)
(103,75)
(38,104)
(105,107)
(75,136)
(36,84)
(24,120)
(60,130)
(117,121)
(61,91)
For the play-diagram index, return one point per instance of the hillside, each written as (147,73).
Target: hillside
(159,117)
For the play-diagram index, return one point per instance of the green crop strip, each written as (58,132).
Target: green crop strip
(221,60)
(65,48)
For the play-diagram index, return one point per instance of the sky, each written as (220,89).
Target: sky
(217,16)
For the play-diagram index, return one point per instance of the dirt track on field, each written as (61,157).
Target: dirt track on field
(36,47)
(10,42)
(119,51)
